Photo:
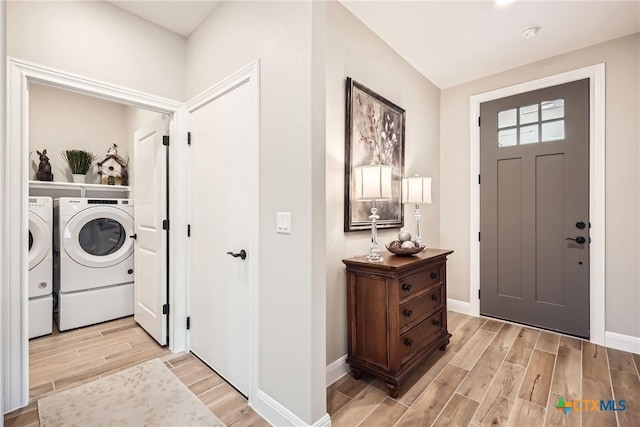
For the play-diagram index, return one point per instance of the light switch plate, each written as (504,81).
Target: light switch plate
(283,222)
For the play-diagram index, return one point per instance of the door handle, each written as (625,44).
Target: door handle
(242,254)
(134,236)
(580,240)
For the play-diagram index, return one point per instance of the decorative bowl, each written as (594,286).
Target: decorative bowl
(395,248)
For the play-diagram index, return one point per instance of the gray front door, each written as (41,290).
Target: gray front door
(534,208)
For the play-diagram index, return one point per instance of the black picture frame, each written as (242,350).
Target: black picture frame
(374,134)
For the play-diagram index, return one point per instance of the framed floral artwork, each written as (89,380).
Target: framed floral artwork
(374,134)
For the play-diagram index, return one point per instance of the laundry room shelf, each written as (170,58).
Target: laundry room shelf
(74,189)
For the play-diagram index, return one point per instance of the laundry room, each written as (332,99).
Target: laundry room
(81,216)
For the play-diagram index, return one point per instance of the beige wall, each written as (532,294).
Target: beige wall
(355,51)
(622,59)
(98,40)
(63,120)
(291,331)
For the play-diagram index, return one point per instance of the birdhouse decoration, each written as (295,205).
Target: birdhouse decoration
(113,168)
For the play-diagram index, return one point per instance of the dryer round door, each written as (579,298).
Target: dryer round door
(99,237)
(39,240)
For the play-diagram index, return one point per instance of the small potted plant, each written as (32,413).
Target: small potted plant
(79,162)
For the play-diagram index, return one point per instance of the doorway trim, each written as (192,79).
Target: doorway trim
(15,345)
(596,76)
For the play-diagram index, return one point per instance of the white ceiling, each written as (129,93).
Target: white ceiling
(452,42)
(179,16)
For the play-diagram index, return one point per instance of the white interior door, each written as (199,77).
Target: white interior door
(223,218)
(150,256)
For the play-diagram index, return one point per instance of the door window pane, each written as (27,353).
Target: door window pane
(507,137)
(529,114)
(553,131)
(552,109)
(529,134)
(507,118)
(102,236)
(531,124)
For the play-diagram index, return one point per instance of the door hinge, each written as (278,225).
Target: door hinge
(478,236)
(165,139)
(478,120)
(189,322)
(478,293)
(478,179)
(188,230)
(188,138)
(165,224)
(165,309)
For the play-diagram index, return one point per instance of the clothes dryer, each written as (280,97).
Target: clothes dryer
(93,278)
(40,276)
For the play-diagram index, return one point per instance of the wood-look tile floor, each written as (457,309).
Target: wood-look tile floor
(498,374)
(64,360)
(492,373)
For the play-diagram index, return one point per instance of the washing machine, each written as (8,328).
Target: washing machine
(40,276)
(93,268)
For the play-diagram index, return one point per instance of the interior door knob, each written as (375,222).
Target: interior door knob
(580,240)
(242,254)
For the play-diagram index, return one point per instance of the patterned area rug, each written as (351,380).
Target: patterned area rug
(148,394)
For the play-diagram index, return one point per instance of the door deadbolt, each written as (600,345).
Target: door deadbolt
(580,225)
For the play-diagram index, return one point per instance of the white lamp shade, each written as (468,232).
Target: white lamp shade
(373,182)
(416,189)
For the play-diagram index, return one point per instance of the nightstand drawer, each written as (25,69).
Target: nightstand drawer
(411,284)
(421,336)
(426,304)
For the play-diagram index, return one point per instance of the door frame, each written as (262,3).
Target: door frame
(596,76)
(14,308)
(249,74)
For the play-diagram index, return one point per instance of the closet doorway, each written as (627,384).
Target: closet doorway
(24,77)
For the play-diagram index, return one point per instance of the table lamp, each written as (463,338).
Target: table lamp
(416,189)
(373,183)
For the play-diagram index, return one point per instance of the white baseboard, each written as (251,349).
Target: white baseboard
(323,422)
(337,370)
(459,306)
(277,415)
(622,342)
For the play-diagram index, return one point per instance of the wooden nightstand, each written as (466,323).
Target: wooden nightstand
(397,314)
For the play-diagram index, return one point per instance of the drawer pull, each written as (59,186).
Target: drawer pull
(434,276)
(408,342)
(437,322)
(408,313)
(435,297)
(406,287)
